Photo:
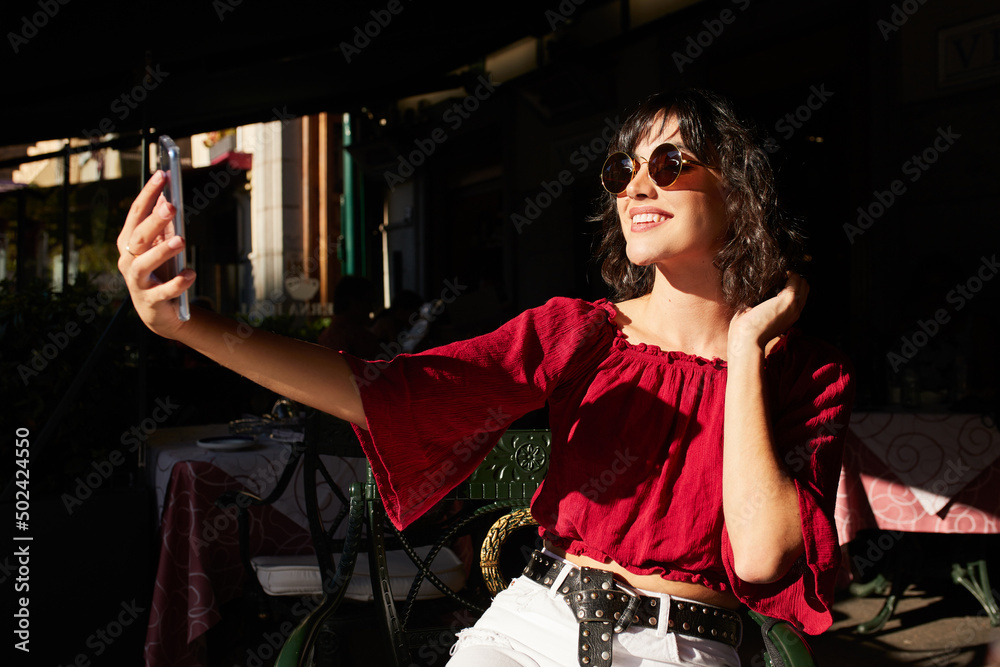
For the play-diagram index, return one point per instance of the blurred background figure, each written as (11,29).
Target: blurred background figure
(392,323)
(353,301)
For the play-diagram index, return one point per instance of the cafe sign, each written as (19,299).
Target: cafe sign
(970,52)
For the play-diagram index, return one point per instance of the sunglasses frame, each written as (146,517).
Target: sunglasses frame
(637,164)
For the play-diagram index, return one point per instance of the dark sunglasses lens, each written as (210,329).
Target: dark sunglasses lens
(665,165)
(617,173)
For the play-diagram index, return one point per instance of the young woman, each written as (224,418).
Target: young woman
(696,438)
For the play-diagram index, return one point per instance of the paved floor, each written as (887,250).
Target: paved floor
(940,628)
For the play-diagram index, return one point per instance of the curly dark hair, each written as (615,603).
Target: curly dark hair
(761,243)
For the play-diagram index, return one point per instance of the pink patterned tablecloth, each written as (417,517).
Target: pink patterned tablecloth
(913,472)
(199,565)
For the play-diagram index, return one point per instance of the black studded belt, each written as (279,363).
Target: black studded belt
(604,607)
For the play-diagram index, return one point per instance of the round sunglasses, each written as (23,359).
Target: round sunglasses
(665,164)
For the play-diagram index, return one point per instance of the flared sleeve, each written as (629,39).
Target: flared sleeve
(432,417)
(812,395)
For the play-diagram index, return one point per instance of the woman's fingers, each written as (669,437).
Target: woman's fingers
(153,297)
(145,264)
(772,317)
(145,244)
(171,289)
(140,211)
(145,234)
(799,290)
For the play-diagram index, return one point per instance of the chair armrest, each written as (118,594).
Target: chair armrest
(352,543)
(785,646)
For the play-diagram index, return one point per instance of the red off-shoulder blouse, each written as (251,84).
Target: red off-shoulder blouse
(636,468)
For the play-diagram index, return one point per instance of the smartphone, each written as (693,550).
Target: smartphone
(170,165)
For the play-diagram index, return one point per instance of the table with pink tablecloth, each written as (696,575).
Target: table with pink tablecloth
(199,563)
(910,472)
(915,472)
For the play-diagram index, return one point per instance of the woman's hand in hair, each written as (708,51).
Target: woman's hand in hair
(755,327)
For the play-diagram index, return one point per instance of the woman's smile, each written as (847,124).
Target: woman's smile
(644,218)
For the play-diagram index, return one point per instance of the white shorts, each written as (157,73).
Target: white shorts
(529,625)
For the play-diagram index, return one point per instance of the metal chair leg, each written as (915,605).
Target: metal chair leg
(976,579)
(899,585)
(878,585)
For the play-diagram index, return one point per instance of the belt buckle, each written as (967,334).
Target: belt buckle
(628,614)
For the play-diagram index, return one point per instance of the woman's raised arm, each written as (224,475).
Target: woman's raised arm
(759,497)
(306,373)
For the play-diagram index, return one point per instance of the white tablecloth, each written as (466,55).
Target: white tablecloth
(256,468)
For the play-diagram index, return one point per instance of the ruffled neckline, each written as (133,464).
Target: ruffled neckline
(622,343)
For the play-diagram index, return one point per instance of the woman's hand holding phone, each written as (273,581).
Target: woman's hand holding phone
(304,372)
(147,250)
